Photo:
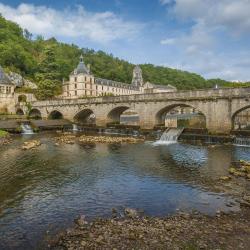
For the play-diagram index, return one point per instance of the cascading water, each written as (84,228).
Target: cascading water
(242,141)
(26,129)
(75,128)
(170,136)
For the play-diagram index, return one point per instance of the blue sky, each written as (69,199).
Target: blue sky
(209,37)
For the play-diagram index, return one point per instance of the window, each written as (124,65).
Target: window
(75,92)
(75,86)
(8,89)
(85,78)
(75,79)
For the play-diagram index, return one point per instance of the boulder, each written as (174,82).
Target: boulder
(130,212)
(225,178)
(31,144)
(80,221)
(19,81)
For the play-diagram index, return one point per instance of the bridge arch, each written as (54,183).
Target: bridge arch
(22,98)
(180,114)
(35,114)
(85,116)
(19,111)
(115,114)
(55,115)
(241,118)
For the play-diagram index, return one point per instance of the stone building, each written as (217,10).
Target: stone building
(7,89)
(82,83)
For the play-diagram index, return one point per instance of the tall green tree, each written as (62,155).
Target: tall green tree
(48,79)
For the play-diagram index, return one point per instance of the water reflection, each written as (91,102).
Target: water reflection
(47,187)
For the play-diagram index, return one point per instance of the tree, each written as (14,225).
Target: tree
(48,78)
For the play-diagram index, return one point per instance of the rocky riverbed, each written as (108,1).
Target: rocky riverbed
(181,231)
(31,144)
(69,138)
(5,141)
(130,230)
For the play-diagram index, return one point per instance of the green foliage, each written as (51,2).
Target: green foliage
(48,78)
(25,90)
(47,62)
(29,106)
(3,133)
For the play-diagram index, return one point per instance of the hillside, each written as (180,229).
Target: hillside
(47,62)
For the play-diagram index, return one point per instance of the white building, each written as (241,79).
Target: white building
(7,89)
(83,84)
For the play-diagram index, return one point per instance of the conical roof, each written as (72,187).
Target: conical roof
(3,78)
(81,68)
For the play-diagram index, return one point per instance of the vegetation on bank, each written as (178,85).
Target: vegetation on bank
(47,62)
(3,134)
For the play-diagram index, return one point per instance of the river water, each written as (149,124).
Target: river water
(43,190)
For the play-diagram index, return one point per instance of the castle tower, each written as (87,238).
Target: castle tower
(137,77)
(81,68)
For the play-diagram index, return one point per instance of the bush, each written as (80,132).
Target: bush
(3,133)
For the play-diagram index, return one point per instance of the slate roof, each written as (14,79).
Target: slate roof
(3,78)
(81,67)
(115,84)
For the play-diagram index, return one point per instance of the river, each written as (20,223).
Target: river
(43,190)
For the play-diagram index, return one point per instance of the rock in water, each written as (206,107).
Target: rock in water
(31,144)
(80,221)
(225,178)
(130,212)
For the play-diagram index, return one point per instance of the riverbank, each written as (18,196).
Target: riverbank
(4,138)
(181,231)
(129,230)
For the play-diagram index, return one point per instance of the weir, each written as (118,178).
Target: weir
(170,136)
(75,128)
(242,141)
(26,129)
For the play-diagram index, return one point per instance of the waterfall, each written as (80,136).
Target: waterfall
(26,129)
(242,141)
(75,128)
(170,136)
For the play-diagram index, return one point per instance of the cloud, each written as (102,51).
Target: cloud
(168,41)
(209,27)
(165,2)
(229,14)
(101,27)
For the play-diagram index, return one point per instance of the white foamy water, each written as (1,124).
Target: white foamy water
(26,129)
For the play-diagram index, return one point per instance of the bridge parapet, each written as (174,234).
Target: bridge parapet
(182,95)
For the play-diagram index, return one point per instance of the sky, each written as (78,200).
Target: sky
(208,37)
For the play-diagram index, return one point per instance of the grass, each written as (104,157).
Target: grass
(3,133)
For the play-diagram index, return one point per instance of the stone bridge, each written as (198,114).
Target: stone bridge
(219,106)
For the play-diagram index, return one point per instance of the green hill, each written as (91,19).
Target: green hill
(47,62)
